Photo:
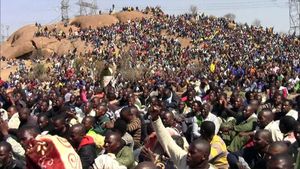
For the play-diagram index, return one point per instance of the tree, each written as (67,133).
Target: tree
(194,10)
(230,16)
(256,23)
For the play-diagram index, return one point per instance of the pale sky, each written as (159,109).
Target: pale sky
(275,13)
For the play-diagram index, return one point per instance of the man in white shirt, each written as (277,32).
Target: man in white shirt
(206,115)
(288,110)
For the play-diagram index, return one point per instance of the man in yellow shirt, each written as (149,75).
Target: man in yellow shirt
(218,152)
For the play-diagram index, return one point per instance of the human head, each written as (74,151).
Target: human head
(59,102)
(281,161)
(126,114)
(286,106)
(11,111)
(297,132)
(265,116)
(96,101)
(113,142)
(5,153)
(101,110)
(26,134)
(88,122)
(196,107)
(207,130)
(262,139)
(44,106)
(238,102)
(276,148)
(43,121)
(87,108)
(248,111)
(146,165)
(168,119)
(120,126)
(24,113)
(76,133)
(198,153)
(287,124)
(59,123)
(206,110)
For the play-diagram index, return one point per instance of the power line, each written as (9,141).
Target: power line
(294,13)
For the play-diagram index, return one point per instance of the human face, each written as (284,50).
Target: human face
(25,138)
(23,115)
(167,119)
(87,123)
(259,141)
(279,165)
(44,106)
(196,107)
(297,133)
(286,107)
(248,112)
(262,120)
(129,116)
(194,156)
(205,110)
(75,137)
(59,125)
(111,144)
(43,122)
(5,156)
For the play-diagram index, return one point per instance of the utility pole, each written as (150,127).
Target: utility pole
(64,10)
(294,12)
(84,6)
(4,33)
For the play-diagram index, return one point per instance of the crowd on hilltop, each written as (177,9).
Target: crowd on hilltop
(223,100)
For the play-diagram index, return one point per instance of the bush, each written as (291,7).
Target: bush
(39,71)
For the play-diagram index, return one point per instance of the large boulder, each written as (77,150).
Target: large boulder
(125,16)
(94,21)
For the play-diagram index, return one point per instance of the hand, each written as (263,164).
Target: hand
(3,128)
(154,112)
(110,124)
(243,134)
(148,154)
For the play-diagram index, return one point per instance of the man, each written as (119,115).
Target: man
(45,124)
(266,121)
(115,145)
(40,148)
(25,119)
(83,144)
(88,123)
(205,115)
(218,152)
(6,157)
(247,125)
(169,121)
(101,119)
(170,98)
(198,152)
(288,110)
(61,128)
(282,161)
(133,124)
(293,149)
(252,156)
(276,148)
(88,109)
(146,165)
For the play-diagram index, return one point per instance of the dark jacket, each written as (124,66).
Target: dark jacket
(87,151)
(14,164)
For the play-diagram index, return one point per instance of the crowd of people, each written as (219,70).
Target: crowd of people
(221,101)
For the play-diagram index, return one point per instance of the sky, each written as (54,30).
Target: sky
(271,13)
